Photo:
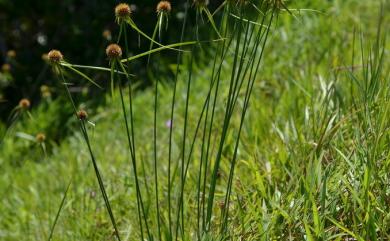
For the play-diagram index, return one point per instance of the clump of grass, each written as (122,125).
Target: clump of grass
(242,39)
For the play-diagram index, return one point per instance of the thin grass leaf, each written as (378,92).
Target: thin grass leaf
(157,50)
(92,68)
(59,212)
(248,21)
(340,226)
(134,26)
(83,75)
(211,20)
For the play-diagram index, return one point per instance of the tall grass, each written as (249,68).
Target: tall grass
(245,29)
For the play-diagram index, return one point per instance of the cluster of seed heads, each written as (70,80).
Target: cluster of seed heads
(122,11)
(55,56)
(113,51)
(82,115)
(11,54)
(40,137)
(24,104)
(221,205)
(45,91)
(6,67)
(164,7)
(107,34)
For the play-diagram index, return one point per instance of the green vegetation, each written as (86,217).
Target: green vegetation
(311,160)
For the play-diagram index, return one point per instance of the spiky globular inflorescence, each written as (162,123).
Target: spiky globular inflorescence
(82,115)
(6,68)
(45,91)
(122,12)
(40,137)
(221,205)
(11,54)
(55,56)
(114,51)
(24,104)
(164,7)
(107,35)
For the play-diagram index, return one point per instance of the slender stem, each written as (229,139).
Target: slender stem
(155,141)
(97,172)
(224,51)
(182,183)
(172,121)
(245,108)
(59,211)
(100,179)
(155,158)
(223,136)
(131,153)
(130,138)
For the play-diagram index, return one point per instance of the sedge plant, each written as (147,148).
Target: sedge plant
(242,38)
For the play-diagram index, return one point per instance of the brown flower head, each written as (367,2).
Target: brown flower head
(45,91)
(122,11)
(221,204)
(55,56)
(24,103)
(164,7)
(44,88)
(82,115)
(113,51)
(6,67)
(40,137)
(11,54)
(107,34)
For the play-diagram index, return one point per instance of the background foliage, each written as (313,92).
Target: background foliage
(80,29)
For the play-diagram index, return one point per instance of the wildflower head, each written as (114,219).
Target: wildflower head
(201,3)
(107,34)
(11,54)
(122,11)
(24,104)
(6,68)
(92,194)
(219,174)
(45,91)
(221,205)
(113,51)
(82,115)
(55,56)
(164,7)
(168,123)
(40,137)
